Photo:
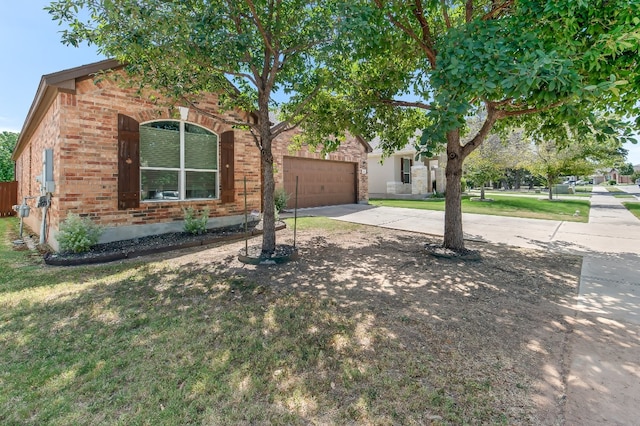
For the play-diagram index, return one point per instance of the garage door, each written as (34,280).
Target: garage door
(320,182)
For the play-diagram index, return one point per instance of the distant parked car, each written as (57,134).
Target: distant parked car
(569,182)
(167,195)
(581,182)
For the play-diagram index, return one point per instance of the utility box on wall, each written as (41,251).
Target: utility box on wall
(47,171)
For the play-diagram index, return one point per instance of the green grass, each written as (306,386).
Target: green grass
(580,191)
(322,223)
(160,343)
(528,207)
(633,208)
(619,193)
(623,196)
(585,190)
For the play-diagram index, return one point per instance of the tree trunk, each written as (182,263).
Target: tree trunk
(550,185)
(453,236)
(268,181)
(482,192)
(268,204)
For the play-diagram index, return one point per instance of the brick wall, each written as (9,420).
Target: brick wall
(82,128)
(29,164)
(351,150)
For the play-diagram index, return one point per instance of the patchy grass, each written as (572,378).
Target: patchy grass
(529,207)
(330,225)
(614,189)
(364,329)
(582,191)
(633,208)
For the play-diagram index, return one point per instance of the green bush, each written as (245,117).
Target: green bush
(612,182)
(78,234)
(463,185)
(281,198)
(192,223)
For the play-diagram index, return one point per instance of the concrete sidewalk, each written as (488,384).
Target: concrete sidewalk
(603,380)
(603,385)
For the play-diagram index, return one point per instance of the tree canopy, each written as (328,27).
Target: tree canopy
(7,143)
(552,159)
(243,50)
(548,67)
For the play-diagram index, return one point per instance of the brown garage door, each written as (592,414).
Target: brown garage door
(320,182)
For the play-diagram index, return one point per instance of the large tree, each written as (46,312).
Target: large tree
(552,159)
(183,48)
(7,143)
(430,64)
(487,163)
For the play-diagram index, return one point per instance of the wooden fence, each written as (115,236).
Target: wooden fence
(8,198)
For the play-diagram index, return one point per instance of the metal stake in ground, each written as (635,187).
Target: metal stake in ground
(295,214)
(246,233)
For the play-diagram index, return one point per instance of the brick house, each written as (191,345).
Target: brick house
(339,177)
(131,164)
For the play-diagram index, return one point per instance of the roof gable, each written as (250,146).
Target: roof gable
(49,87)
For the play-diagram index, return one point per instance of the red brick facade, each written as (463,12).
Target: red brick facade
(82,129)
(352,150)
(77,116)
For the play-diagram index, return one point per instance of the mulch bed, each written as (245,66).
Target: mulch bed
(153,244)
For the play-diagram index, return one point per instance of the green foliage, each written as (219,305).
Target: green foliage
(192,223)
(7,143)
(413,71)
(626,169)
(612,182)
(78,234)
(463,185)
(281,198)
(184,49)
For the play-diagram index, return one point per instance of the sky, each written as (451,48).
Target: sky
(30,47)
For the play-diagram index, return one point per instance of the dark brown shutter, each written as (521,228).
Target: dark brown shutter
(226,167)
(128,163)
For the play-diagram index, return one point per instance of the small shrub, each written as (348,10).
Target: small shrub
(437,194)
(78,234)
(193,224)
(612,182)
(463,185)
(281,198)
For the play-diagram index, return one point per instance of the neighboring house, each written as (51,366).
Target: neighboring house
(94,148)
(604,176)
(401,176)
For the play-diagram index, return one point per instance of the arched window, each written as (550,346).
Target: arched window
(178,161)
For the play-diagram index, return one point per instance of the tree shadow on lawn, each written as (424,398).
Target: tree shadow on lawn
(364,327)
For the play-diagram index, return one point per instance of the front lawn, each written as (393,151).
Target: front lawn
(365,328)
(502,205)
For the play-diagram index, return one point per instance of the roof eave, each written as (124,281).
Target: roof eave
(50,85)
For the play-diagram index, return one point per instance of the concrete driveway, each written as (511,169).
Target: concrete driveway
(603,363)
